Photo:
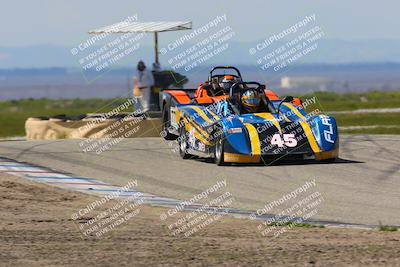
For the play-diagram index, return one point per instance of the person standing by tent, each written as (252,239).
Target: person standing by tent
(142,87)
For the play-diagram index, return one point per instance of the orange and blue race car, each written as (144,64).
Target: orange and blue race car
(234,121)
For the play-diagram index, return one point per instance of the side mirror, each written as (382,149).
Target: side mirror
(285,100)
(297,101)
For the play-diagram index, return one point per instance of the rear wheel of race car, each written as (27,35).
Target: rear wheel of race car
(166,122)
(219,151)
(183,144)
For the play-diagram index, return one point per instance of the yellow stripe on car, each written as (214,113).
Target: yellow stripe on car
(214,115)
(254,139)
(270,117)
(201,138)
(188,126)
(191,123)
(310,136)
(198,128)
(202,114)
(307,130)
(295,111)
(177,115)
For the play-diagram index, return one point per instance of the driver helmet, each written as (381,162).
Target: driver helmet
(251,100)
(227,82)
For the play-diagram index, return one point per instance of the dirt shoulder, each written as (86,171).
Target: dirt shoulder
(37,230)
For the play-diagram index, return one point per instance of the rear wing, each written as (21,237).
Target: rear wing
(181,96)
(188,92)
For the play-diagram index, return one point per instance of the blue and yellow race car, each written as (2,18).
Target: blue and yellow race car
(234,121)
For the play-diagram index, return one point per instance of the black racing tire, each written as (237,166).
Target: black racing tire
(219,151)
(166,123)
(183,144)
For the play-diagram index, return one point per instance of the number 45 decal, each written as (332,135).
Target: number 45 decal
(288,140)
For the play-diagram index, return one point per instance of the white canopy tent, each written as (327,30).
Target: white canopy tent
(155,27)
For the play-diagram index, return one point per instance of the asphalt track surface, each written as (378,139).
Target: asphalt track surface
(362,187)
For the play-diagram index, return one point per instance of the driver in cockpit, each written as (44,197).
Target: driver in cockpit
(224,84)
(252,102)
(227,82)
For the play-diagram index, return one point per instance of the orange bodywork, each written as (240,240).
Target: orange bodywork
(271,95)
(296,101)
(180,96)
(202,97)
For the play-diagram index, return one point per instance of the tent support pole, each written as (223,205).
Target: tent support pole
(156,48)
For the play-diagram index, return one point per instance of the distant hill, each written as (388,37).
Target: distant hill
(299,69)
(328,51)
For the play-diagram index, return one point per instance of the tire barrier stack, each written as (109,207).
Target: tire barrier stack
(93,126)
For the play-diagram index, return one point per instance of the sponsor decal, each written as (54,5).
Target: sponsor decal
(235,130)
(173,116)
(328,133)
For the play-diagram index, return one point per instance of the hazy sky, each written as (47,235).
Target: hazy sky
(65,22)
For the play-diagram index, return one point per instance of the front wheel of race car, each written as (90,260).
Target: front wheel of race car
(183,144)
(219,152)
(166,123)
